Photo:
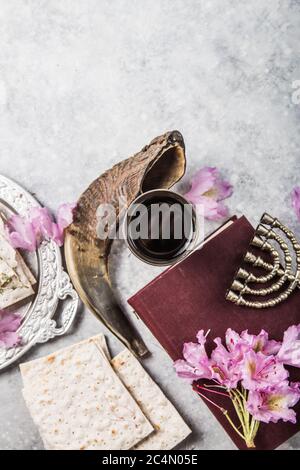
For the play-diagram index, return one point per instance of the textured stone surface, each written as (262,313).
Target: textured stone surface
(86,83)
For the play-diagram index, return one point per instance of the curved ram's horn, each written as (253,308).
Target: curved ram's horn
(158,165)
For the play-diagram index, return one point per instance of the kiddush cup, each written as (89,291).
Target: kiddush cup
(161,227)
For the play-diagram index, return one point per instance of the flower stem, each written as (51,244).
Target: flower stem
(249,425)
(239,410)
(253,431)
(214,386)
(208,399)
(212,391)
(225,412)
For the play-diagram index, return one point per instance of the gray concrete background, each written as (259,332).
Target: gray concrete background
(86,83)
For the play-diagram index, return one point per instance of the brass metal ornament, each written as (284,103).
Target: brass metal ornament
(280,277)
(158,165)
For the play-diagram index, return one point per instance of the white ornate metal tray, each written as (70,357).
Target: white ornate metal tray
(54,289)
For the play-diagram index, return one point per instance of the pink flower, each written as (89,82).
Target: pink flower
(28,232)
(225,365)
(9,323)
(196,364)
(64,218)
(273,403)
(42,221)
(260,371)
(21,233)
(289,353)
(245,341)
(296,201)
(251,372)
(209,190)
(295,386)
(192,372)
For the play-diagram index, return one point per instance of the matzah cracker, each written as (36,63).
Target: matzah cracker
(100,342)
(27,367)
(78,402)
(167,422)
(16,280)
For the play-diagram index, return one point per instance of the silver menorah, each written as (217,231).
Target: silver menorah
(282,274)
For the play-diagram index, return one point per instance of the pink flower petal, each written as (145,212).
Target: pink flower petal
(196,364)
(208,189)
(260,371)
(202,181)
(212,210)
(232,338)
(190,372)
(295,386)
(271,348)
(201,337)
(246,342)
(186,371)
(274,403)
(289,353)
(65,215)
(42,221)
(9,323)
(236,345)
(226,368)
(57,235)
(224,189)
(194,353)
(21,233)
(295,196)
(261,343)
(27,233)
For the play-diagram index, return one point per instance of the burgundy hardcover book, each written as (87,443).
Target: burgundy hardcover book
(191,296)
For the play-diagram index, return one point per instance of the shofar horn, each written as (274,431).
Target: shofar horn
(158,165)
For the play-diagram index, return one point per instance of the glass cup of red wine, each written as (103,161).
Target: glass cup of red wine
(161,227)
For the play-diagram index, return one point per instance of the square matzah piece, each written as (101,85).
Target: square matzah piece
(170,429)
(78,402)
